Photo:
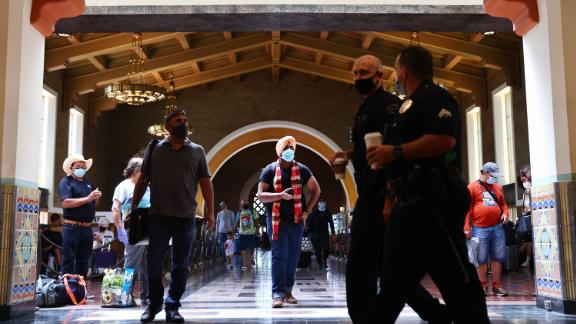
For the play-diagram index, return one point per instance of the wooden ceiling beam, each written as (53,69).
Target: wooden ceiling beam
(181,37)
(87,83)
(220,73)
(317,70)
(57,58)
(367,41)
(276,54)
(101,66)
(450,61)
(476,37)
(495,58)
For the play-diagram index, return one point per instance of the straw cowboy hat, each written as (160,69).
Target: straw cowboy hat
(75,158)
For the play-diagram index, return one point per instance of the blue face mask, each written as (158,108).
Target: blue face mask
(79,172)
(288,155)
(321,206)
(492,180)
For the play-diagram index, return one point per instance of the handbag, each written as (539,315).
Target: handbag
(138,219)
(524,227)
(472,246)
(138,224)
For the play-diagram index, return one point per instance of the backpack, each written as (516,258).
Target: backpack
(50,292)
(75,288)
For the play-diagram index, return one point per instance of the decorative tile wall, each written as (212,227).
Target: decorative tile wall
(547,260)
(20,210)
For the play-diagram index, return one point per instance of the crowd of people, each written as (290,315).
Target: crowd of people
(413,213)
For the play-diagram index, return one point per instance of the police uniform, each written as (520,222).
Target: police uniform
(425,231)
(367,230)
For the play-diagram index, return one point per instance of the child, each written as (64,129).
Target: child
(229,246)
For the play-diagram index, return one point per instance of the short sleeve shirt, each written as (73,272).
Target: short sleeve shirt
(174,177)
(246,219)
(286,206)
(70,187)
(430,110)
(124,192)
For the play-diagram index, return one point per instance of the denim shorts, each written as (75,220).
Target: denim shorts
(492,243)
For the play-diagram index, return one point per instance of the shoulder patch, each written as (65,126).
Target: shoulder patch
(444,113)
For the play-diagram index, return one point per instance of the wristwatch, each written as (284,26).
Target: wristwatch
(398,153)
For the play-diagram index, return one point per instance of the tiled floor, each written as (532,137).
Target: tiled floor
(223,296)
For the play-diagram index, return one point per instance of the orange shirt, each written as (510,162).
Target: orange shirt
(483,209)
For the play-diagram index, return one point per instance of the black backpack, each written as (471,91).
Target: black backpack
(50,292)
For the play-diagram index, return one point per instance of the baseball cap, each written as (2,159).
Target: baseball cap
(491,168)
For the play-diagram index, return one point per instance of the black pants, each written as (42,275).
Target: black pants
(417,244)
(321,246)
(364,266)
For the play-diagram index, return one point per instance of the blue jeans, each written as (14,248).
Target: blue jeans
(492,242)
(76,249)
(285,256)
(181,230)
(222,237)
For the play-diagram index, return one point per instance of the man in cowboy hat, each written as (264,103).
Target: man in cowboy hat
(280,189)
(79,198)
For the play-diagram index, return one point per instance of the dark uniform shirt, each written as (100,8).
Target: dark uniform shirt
(70,187)
(286,206)
(319,221)
(432,111)
(374,115)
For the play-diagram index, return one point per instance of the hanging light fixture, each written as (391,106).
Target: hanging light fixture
(135,91)
(170,106)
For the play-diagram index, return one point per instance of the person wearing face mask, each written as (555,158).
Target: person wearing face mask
(376,114)
(103,236)
(246,225)
(488,211)
(280,189)
(428,199)
(318,223)
(525,230)
(174,170)
(78,198)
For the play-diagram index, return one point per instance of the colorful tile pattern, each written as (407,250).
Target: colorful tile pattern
(25,234)
(546,243)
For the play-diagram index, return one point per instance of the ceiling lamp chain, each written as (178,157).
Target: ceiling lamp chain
(170,106)
(135,91)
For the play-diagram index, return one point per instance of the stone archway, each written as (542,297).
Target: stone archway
(271,131)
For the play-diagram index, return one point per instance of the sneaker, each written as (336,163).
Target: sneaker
(498,291)
(277,303)
(290,299)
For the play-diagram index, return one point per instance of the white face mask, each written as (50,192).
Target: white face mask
(492,180)
(527,185)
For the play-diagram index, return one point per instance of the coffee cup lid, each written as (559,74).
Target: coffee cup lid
(373,134)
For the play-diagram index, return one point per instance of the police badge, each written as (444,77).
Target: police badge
(405,106)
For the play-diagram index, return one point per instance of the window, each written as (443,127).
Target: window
(47,140)
(75,131)
(504,133)
(474,137)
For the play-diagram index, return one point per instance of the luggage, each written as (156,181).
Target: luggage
(75,288)
(50,292)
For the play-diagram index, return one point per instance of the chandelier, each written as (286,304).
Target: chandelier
(170,106)
(135,91)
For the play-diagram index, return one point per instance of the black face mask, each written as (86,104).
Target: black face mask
(180,131)
(245,206)
(365,86)
(102,229)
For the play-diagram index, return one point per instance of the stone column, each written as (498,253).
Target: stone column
(21,73)
(549,52)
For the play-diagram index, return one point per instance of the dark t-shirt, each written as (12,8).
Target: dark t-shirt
(376,114)
(286,206)
(72,188)
(433,111)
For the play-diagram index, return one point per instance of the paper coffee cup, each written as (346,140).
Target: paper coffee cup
(339,167)
(372,139)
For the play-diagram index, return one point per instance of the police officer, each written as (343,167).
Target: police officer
(367,230)
(425,227)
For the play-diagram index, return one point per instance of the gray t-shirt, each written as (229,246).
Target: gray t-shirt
(174,177)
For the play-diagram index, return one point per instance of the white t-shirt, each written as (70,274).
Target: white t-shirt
(106,237)
(229,245)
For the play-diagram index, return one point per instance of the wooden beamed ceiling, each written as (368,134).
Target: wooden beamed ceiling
(91,61)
